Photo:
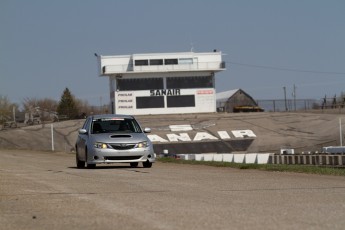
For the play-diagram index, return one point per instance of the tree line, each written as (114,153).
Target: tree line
(69,107)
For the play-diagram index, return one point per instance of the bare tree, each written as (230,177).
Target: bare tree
(83,107)
(46,104)
(44,108)
(6,108)
(86,109)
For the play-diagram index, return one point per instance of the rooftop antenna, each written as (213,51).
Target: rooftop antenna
(191,43)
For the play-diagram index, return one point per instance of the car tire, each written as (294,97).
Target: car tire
(89,166)
(134,164)
(147,164)
(80,164)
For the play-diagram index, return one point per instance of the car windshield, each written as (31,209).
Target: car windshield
(115,125)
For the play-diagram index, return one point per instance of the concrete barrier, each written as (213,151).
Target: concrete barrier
(239,158)
(187,156)
(199,157)
(228,157)
(208,157)
(191,156)
(269,158)
(218,157)
(250,158)
(263,158)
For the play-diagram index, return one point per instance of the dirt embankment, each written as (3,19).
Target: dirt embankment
(301,131)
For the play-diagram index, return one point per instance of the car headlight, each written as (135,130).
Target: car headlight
(100,145)
(142,145)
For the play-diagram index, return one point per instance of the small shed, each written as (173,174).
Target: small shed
(236,101)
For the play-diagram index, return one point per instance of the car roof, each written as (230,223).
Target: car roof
(98,116)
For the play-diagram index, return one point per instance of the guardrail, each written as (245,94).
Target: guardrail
(320,159)
(269,158)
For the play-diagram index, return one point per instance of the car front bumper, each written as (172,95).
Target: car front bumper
(99,156)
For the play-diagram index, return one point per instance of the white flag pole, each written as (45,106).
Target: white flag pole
(52,134)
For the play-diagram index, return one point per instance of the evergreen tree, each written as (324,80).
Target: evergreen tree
(67,105)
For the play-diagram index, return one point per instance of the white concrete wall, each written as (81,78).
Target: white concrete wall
(199,157)
(218,157)
(208,157)
(239,158)
(250,158)
(247,158)
(228,157)
(263,158)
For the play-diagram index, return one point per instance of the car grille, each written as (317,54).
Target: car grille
(119,158)
(121,136)
(122,146)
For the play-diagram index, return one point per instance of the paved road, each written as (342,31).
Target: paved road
(43,190)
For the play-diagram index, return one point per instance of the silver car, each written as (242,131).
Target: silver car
(113,138)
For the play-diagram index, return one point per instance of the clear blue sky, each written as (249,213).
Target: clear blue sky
(46,46)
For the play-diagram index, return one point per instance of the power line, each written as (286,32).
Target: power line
(285,69)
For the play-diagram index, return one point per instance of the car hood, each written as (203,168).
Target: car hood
(119,137)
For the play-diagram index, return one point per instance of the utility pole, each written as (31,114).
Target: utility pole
(100,104)
(340,133)
(14,114)
(286,108)
(294,96)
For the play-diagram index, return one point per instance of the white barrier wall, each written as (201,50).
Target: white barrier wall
(263,158)
(199,157)
(208,157)
(228,157)
(186,156)
(268,158)
(250,158)
(239,158)
(218,157)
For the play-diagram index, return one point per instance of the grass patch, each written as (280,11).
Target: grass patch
(311,169)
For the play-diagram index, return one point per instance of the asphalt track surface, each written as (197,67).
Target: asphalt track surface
(44,190)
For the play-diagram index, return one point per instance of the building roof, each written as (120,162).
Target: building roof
(161,63)
(224,96)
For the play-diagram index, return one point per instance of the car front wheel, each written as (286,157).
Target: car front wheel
(80,164)
(147,164)
(88,165)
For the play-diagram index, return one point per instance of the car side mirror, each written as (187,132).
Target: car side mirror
(82,131)
(147,130)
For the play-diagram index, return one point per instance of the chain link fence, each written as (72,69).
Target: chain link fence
(281,105)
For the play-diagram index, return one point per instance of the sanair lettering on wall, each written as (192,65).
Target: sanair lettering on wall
(165,92)
(199,136)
